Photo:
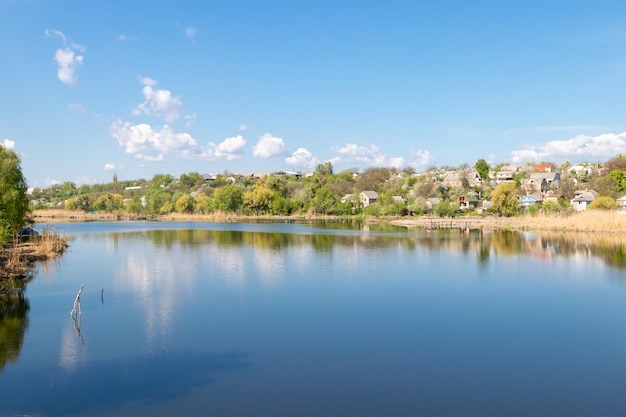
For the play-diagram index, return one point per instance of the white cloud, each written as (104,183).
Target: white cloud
(421,159)
(269,146)
(109,167)
(7,144)
(189,119)
(230,148)
(370,156)
(149,144)
(578,148)
(302,158)
(159,103)
(141,138)
(51,181)
(68,58)
(190,32)
(243,127)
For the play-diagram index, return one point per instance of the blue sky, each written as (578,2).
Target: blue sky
(93,88)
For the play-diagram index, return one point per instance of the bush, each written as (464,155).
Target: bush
(603,203)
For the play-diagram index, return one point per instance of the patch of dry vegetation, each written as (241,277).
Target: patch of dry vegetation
(589,221)
(16,257)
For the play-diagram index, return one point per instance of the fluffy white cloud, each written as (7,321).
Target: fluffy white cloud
(7,144)
(578,148)
(370,156)
(243,127)
(269,146)
(302,158)
(149,144)
(159,103)
(421,159)
(68,58)
(109,167)
(230,148)
(144,142)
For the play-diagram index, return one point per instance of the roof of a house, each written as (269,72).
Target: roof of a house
(370,194)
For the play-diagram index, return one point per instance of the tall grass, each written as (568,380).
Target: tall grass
(589,221)
(16,256)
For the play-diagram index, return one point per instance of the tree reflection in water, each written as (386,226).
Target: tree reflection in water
(14,307)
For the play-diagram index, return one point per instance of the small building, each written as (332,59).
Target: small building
(368,197)
(468,201)
(546,180)
(347,197)
(530,200)
(398,199)
(543,167)
(582,199)
(621,203)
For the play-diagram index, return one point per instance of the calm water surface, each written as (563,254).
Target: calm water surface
(317,320)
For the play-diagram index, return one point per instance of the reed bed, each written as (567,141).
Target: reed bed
(590,221)
(16,256)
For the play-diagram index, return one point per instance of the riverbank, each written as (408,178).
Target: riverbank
(16,258)
(590,221)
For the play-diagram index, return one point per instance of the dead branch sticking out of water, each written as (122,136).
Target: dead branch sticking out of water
(76,309)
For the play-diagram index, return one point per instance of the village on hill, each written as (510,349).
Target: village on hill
(504,189)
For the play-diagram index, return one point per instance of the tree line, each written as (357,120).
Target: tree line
(400,192)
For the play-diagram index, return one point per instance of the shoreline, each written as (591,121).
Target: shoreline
(612,222)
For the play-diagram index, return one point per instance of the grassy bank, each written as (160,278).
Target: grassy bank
(590,221)
(17,257)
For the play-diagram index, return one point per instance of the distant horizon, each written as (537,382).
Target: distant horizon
(243,86)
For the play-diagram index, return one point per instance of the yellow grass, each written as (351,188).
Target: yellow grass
(16,256)
(589,221)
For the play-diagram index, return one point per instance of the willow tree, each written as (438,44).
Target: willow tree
(504,199)
(14,207)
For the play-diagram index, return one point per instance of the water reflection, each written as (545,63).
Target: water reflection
(14,307)
(483,243)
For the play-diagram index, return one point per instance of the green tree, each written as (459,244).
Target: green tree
(202,204)
(482,167)
(258,200)
(109,202)
(504,199)
(14,205)
(620,178)
(229,198)
(324,202)
(445,209)
(184,204)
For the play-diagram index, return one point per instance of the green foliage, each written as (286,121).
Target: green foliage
(109,203)
(229,198)
(603,203)
(184,204)
(445,209)
(620,178)
(202,204)
(14,204)
(551,207)
(324,202)
(504,199)
(258,200)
